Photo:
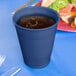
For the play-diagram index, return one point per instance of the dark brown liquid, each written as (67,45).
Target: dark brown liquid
(35,22)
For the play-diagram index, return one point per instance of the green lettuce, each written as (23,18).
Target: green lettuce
(71,1)
(58,4)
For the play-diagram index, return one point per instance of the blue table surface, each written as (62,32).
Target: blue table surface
(63,60)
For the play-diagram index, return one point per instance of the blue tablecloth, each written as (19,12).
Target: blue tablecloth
(63,61)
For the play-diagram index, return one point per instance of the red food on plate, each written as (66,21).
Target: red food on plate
(68,16)
(65,27)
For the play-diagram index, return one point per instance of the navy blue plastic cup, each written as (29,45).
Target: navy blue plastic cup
(36,44)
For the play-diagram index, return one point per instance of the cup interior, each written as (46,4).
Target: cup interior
(36,10)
